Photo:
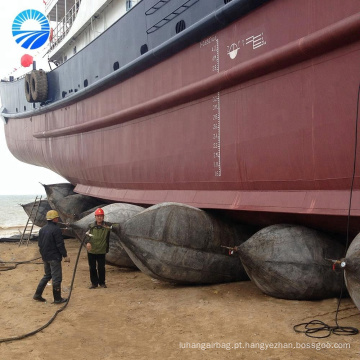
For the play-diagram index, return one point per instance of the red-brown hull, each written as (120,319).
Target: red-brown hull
(259,118)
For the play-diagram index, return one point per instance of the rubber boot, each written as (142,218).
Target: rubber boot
(57,296)
(38,293)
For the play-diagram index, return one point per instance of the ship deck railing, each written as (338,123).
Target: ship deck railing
(64,25)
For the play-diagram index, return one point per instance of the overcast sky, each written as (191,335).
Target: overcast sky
(17,177)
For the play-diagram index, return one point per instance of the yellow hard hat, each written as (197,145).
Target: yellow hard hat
(51,215)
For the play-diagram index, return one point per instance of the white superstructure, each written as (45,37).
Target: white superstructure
(75,23)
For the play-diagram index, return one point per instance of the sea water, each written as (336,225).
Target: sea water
(13,218)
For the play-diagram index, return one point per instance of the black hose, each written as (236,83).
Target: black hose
(56,313)
(17,263)
(315,326)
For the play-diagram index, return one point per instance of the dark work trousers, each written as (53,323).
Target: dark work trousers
(52,271)
(97,276)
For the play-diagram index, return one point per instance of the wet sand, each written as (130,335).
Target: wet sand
(137,317)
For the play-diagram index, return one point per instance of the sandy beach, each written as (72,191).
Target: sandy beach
(137,317)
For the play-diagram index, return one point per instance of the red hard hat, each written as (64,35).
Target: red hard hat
(99,211)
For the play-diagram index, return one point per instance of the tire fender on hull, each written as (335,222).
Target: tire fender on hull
(28,94)
(36,86)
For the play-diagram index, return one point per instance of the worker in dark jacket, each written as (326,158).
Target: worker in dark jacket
(97,245)
(52,250)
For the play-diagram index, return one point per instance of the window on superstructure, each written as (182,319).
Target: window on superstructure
(130,4)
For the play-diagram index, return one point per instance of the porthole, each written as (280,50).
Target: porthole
(144,49)
(180,26)
(116,65)
(86,83)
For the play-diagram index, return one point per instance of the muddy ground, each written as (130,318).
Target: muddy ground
(137,317)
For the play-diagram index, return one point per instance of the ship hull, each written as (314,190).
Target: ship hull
(257,119)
